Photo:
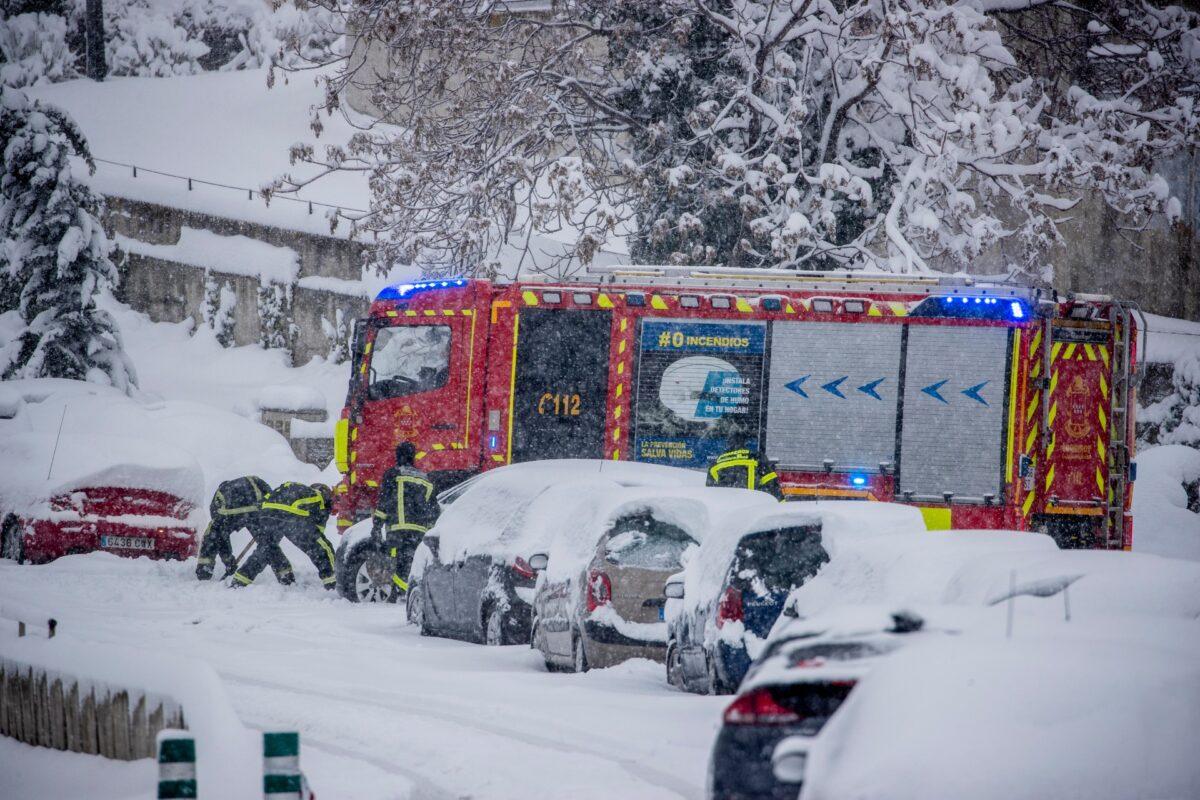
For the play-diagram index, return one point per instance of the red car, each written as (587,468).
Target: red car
(126,496)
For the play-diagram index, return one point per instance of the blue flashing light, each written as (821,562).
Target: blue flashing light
(1018,311)
(401,291)
(858,480)
(492,441)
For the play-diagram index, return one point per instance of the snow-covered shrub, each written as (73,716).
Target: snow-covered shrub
(35,50)
(151,38)
(1176,418)
(219,302)
(52,242)
(338,334)
(274,315)
(286,36)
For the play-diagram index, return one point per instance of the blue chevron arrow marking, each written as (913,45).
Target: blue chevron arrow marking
(795,386)
(973,392)
(933,389)
(832,387)
(869,388)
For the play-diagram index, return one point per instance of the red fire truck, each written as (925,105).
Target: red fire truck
(984,405)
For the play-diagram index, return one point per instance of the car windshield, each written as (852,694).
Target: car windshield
(778,560)
(409,359)
(643,541)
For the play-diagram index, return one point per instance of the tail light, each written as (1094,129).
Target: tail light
(730,609)
(759,707)
(522,569)
(599,589)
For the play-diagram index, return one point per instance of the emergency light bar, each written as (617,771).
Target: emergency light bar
(400,291)
(980,307)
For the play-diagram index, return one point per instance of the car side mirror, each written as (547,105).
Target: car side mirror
(790,759)
(538,561)
(790,611)
(673,590)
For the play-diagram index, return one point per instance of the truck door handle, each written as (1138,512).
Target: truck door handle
(443,426)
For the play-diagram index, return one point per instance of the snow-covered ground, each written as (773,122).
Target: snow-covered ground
(382,712)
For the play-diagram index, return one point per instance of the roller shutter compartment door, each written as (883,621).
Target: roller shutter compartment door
(955,396)
(833,394)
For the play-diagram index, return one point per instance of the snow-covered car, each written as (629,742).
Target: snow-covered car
(807,671)
(96,492)
(1107,711)
(723,605)
(471,576)
(600,601)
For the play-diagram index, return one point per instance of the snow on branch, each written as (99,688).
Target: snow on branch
(905,135)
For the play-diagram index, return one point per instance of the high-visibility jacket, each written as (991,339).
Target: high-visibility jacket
(743,470)
(238,496)
(407,501)
(298,500)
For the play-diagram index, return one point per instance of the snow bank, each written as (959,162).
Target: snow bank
(1162,523)
(1169,340)
(228,755)
(10,402)
(1016,719)
(236,255)
(977,567)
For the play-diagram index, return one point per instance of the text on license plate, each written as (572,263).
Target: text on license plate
(127,542)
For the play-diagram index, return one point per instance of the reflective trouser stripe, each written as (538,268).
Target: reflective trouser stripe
(204,561)
(328,550)
(403,584)
(237,576)
(408,526)
(227,512)
(329,580)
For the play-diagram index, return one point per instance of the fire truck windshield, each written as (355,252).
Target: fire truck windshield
(409,359)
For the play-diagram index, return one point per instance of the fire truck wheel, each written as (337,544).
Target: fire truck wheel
(12,544)
(365,574)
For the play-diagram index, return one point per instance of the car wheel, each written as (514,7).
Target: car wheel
(674,666)
(12,541)
(715,684)
(579,657)
(415,607)
(365,575)
(493,628)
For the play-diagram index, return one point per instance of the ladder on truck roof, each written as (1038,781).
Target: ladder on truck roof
(810,281)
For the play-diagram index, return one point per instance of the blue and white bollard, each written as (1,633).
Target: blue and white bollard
(281,767)
(176,765)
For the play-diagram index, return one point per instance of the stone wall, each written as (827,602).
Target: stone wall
(168,291)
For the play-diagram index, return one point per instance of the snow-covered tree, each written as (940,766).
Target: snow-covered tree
(906,135)
(34,49)
(53,245)
(1176,418)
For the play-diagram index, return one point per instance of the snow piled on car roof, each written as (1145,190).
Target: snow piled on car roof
(106,435)
(32,470)
(516,510)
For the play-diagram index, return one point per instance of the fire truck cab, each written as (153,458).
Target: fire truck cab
(985,405)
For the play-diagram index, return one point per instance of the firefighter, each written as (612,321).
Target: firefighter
(234,506)
(296,512)
(744,470)
(407,507)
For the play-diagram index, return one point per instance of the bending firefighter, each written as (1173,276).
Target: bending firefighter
(407,507)
(296,512)
(234,506)
(742,469)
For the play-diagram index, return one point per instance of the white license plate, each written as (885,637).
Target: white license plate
(127,542)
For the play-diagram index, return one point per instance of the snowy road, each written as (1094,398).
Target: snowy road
(382,711)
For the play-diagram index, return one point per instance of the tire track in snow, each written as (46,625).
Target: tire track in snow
(403,704)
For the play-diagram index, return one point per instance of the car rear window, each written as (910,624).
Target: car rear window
(645,542)
(780,559)
(836,651)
